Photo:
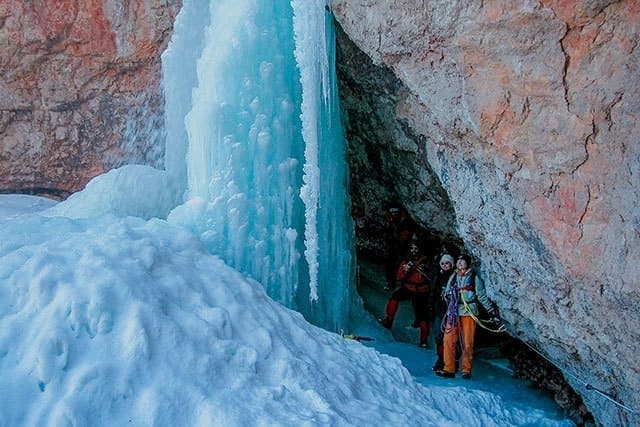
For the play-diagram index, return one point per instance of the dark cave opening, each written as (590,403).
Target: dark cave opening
(374,255)
(524,363)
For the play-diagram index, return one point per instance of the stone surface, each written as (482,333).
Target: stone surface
(80,90)
(386,164)
(526,112)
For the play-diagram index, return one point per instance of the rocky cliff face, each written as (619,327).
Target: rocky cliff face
(515,125)
(80,90)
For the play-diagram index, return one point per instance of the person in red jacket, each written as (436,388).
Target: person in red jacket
(412,274)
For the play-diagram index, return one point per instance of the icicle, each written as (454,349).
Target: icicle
(309,25)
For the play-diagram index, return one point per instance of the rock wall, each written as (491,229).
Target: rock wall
(80,90)
(387,160)
(526,112)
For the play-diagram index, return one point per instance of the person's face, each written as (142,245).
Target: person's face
(461,265)
(446,266)
(413,250)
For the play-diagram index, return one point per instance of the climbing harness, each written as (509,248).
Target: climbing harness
(452,310)
(420,269)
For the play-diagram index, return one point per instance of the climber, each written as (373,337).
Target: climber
(439,306)
(414,285)
(399,228)
(463,292)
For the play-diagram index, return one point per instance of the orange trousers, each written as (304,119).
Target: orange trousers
(466,329)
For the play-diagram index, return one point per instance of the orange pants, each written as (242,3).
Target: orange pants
(467,330)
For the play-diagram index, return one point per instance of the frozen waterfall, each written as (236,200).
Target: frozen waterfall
(252,105)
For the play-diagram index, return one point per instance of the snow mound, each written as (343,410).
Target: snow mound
(131,190)
(127,321)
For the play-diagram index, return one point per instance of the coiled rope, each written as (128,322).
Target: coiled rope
(481,323)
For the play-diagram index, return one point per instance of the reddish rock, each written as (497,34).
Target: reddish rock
(80,90)
(527,113)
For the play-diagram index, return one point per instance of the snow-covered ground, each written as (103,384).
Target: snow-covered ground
(118,320)
(18,204)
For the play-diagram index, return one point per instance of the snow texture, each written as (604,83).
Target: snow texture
(120,320)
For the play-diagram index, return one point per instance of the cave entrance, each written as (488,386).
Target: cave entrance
(378,262)
(389,166)
(388,169)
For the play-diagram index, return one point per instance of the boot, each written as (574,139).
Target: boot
(445,374)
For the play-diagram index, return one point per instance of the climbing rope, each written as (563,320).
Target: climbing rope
(481,323)
(586,385)
(451,316)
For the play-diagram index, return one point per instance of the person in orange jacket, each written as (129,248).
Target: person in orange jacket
(413,276)
(465,293)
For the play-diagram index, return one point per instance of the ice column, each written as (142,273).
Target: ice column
(248,148)
(179,65)
(328,224)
